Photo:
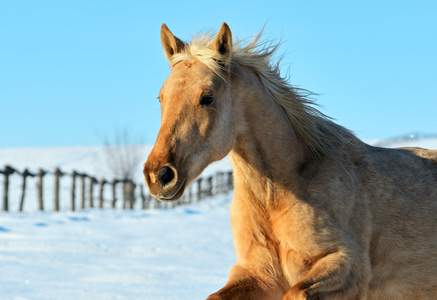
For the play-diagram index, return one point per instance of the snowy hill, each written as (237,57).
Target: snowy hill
(180,253)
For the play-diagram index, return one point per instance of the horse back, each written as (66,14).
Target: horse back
(430,155)
(403,245)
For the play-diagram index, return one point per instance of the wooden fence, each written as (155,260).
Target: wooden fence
(92,190)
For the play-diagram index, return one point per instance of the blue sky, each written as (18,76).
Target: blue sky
(72,72)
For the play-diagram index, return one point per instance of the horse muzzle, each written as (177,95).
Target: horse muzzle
(164,182)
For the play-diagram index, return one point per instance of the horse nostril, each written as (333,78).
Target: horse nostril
(166,175)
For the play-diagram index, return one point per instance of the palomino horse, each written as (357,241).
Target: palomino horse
(317,214)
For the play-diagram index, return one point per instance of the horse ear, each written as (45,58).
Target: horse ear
(223,41)
(170,43)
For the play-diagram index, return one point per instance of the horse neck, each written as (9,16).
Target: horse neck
(267,150)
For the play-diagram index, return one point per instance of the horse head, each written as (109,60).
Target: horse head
(197,118)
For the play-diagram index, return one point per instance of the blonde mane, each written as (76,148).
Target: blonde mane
(312,127)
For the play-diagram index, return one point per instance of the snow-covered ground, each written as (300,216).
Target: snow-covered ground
(180,253)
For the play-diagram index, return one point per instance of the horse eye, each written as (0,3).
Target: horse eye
(206,100)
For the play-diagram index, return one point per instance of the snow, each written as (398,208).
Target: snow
(180,253)
(184,252)
(430,143)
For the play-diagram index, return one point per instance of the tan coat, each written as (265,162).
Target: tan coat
(317,214)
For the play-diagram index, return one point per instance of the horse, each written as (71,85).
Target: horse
(316,212)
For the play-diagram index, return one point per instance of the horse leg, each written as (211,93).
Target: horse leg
(336,276)
(246,284)
(257,275)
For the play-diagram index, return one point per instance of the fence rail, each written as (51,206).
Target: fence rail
(219,183)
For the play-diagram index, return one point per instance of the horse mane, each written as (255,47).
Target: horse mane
(312,127)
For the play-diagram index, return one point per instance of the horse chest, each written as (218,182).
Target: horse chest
(298,245)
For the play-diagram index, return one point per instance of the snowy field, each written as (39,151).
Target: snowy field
(180,253)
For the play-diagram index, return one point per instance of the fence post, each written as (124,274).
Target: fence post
(199,189)
(23,188)
(190,194)
(218,183)
(40,188)
(149,200)
(230,183)
(73,190)
(102,184)
(125,192)
(143,197)
(224,184)
(132,194)
(91,191)
(82,192)
(114,192)
(57,174)
(6,172)
(221,182)
(209,186)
